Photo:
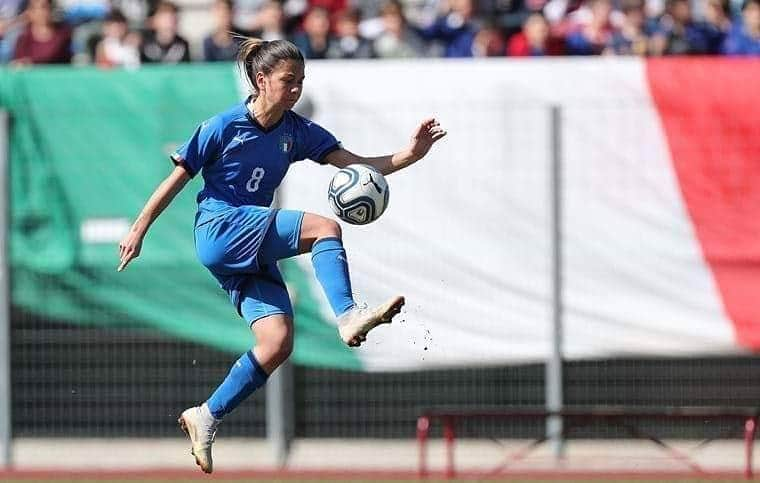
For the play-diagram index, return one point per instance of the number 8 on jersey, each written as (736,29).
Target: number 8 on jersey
(256,176)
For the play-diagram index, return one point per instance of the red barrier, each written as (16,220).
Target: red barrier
(578,417)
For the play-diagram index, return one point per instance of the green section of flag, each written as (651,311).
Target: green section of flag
(88,146)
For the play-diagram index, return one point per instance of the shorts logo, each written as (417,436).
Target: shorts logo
(286,143)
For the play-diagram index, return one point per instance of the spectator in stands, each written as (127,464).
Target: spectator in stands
(594,33)
(252,16)
(136,11)
(677,33)
(510,15)
(348,43)
(12,21)
(332,6)
(633,37)
(11,9)
(245,14)
(44,40)
(163,44)
(744,37)
(421,12)
(76,12)
(488,42)
(85,17)
(534,39)
(296,11)
(271,22)
(118,47)
(369,9)
(221,44)
(717,24)
(314,40)
(560,15)
(398,39)
(455,30)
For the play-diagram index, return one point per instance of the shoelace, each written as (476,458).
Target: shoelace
(210,436)
(357,312)
(210,431)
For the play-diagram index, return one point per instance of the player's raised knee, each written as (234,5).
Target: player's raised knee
(314,228)
(331,229)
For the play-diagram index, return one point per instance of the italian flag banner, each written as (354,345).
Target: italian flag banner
(660,188)
(660,168)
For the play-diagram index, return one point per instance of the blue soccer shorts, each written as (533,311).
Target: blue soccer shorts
(241,250)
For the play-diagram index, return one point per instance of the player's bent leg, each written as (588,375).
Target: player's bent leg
(200,422)
(324,238)
(274,343)
(265,303)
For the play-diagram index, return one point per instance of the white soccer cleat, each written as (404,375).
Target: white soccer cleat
(354,325)
(200,426)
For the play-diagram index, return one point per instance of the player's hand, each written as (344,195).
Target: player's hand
(129,249)
(424,137)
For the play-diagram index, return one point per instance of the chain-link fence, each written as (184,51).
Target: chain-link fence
(73,381)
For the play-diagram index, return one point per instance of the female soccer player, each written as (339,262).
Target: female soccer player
(243,155)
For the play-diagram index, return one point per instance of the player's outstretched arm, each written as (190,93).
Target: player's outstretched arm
(131,244)
(427,133)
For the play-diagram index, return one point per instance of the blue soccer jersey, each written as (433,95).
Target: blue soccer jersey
(243,163)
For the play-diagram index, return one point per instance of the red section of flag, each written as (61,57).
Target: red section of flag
(710,110)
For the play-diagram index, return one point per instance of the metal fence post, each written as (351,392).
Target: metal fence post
(553,381)
(5,320)
(280,413)
(280,401)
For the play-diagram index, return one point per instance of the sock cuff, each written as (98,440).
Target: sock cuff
(347,309)
(256,367)
(326,244)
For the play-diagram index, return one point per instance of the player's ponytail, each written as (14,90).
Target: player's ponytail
(256,55)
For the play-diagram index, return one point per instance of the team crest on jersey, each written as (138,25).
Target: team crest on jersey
(286,143)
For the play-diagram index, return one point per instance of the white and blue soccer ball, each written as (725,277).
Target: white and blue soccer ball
(358,194)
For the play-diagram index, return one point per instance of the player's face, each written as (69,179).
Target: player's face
(284,84)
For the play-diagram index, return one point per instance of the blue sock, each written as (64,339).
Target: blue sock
(245,376)
(331,268)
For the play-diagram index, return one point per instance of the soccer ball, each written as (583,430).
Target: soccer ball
(358,194)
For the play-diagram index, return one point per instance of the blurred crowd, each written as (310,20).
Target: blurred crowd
(128,33)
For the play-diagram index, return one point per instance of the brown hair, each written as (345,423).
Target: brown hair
(166,5)
(256,55)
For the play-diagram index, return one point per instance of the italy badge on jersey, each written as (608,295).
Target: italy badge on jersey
(286,143)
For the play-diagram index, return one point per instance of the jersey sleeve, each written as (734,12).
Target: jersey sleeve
(203,147)
(315,143)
